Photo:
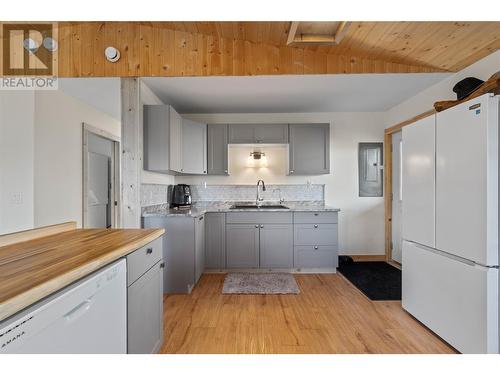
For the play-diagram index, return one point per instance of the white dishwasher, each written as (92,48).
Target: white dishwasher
(89,316)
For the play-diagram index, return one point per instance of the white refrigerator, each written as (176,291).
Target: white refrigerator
(450,221)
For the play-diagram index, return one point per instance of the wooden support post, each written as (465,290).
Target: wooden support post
(131,153)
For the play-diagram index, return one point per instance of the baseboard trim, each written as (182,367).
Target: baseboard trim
(270,270)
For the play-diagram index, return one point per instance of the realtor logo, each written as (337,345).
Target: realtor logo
(29,55)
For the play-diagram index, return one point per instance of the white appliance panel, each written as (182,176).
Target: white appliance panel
(458,301)
(467,180)
(87,317)
(418,181)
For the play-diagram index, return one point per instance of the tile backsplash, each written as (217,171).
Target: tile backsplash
(152,194)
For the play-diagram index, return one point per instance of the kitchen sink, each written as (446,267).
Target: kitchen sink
(261,207)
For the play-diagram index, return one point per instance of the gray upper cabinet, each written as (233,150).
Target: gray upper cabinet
(309,150)
(157,138)
(145,312)
(199,245)
(258,133)
(217,140)
(175,143)
(242,245)
(194,147)
(276,246)
(215,240)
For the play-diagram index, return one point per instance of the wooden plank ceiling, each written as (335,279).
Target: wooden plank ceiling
(260,48)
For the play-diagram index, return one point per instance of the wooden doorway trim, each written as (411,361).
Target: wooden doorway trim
(388,177)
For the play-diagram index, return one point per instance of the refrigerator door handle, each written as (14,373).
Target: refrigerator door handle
(447,255)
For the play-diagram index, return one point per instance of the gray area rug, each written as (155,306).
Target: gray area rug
(260,283)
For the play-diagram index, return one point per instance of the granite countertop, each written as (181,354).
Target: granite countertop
(202,208)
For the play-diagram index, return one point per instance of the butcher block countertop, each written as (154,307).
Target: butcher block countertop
(41,265)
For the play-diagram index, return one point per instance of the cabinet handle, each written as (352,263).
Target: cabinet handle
(262,226)
(149,250)
(204,171)
(225,171)
(256,226)
(201,218)
(292,171)
(315,225)
(162,265)
(316,214)
(315,247)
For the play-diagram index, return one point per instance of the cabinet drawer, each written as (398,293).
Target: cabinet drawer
(316,217)
(259,217)
(315,257)
(315,234)
(143,259)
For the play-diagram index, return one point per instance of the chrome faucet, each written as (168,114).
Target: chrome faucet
(259,198)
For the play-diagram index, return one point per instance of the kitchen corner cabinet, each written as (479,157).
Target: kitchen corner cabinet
(172,144)
(183,250)
(194,147)
(145,299)
(309,149)
(217,154)
(258,133)
(215,240)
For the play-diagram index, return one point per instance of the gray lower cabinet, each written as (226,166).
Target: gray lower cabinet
(182,244)
(215,240)
(199,245)
(309,149)
(145,299)
(315,240)
(242,245)
(217,157)
(259,240)
(276,244)
(258,133)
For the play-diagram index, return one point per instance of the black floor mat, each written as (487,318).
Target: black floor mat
(379,281)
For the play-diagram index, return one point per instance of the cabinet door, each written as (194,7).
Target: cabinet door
(309,150)
(175,143)
(276,246)
(241,133)
(418,182)
(271,133)
(194,151)
(215,240)
(199,244)
(217,139)
(242,245)
(145,312)
(156,119)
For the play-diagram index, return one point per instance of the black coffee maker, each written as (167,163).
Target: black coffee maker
(181,196)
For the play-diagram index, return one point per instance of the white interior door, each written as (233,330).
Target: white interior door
(396,197)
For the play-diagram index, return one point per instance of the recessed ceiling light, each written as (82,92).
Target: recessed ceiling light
(112,54)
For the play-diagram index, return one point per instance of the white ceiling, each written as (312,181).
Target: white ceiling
(297,93)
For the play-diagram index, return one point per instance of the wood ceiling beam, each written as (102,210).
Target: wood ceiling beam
(148,50)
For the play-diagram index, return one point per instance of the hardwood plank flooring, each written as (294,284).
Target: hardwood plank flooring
(329,316)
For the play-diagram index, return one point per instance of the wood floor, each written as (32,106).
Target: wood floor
(329,316)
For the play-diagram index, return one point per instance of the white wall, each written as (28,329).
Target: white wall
(16,160)
(148,97)
(102,93)
(58,154)
(424,101)
(361,227)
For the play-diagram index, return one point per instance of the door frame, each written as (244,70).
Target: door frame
(115,168)
(388,177)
